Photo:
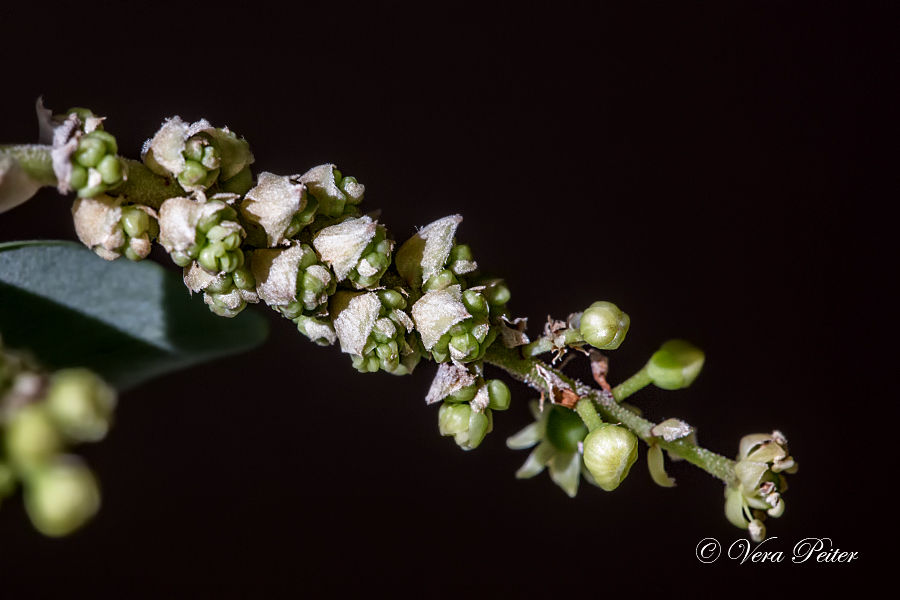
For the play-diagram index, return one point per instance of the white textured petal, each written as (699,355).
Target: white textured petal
(320,331)
(513,337)
(403,318)
(342,245)
(272,204)
(232,299)
(565,471)
(448,379)
(365,269)
(15,185)
(355,317)
(671,430)
(97,223)
(481,400)
(461,267)
(167,147)
(275,272)
(65,143)
(436,312)
(178,218)
(425,253)
(386,327)
(197,279)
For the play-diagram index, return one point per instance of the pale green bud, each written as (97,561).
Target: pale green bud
(604,326)
(32,436)
(609,452)
(81,404)
(61,496)
(565,429)
(675,365)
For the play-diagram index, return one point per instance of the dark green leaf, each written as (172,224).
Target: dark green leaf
(127,321)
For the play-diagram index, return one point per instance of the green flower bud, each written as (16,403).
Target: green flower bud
(468,427)
(61,496)
(604,326)
(498,394)
(609,452)
(32,437)
(675,365)
(565,429)
(81,404)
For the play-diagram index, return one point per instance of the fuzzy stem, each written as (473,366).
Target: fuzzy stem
(587,412)
(143,186)
(637,381)
(524,369)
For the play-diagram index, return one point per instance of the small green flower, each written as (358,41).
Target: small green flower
(32,437)
(454,325)
(558,433)
(761,462)
(226,294)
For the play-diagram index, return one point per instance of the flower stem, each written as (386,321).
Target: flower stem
(587,412)
(637,381)
(606,407)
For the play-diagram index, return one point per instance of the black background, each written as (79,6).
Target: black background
(715,172)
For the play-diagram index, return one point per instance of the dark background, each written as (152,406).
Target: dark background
(715,172)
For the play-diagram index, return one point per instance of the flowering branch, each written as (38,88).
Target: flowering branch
(301,245)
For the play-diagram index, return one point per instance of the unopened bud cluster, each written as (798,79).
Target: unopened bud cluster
(42,415)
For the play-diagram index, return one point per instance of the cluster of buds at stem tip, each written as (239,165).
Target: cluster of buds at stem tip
(84,155)
(468,402)
(603,325)
(207,232)
(375,329)
(761,463)
(197,155)
(41,415)
(292,280)
(226,294)
(112,229)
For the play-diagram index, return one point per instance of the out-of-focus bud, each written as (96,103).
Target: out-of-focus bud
(81,404)
(609,452)
(675,365)
(16,186)
(32,437)
(61,496)
(604,326)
